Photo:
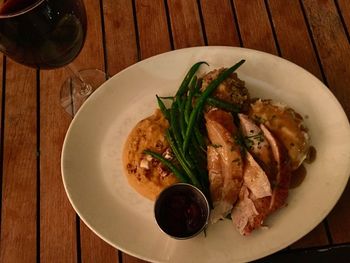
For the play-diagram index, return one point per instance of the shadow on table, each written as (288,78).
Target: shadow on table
(336,253)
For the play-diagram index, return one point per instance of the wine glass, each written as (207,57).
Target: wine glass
(48,34)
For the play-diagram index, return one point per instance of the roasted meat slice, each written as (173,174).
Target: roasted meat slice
(225,165)
(216,180)
(257,145)
(244,215)
(254,199)
(255,178)
(281,184)
(260,197)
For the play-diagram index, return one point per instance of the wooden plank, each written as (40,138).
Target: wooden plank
(121,48)
(287,17)
(344,6)
(153,39)
(256,32)
(339,219)
(297,47)
(58,237)
(121,45)
(19,185)
(129,259)
(316,238)
(254,25)
(152,27)
(57,217)
(334,51)
(332,45)
(185,23)
(121,51)
(92,56)
(338,253)
(93,248)
(219,23)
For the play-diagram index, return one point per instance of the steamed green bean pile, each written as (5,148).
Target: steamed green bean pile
(187,140)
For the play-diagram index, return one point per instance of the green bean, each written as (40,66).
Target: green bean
(199,138)
(183,155)
(184,85)
(182,121)
(202,171)
(176,131)
(174,124)
(163,109)
(168,164)
(198,134)
(228,106)
(182,161)
(197,155)
(202,154)
(188,106)
(224,105)
(194,87)
(198,86)
(202,99)
(167,98)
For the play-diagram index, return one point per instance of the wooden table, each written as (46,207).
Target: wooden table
(37,221)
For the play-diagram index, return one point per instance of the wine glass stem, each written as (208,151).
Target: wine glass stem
(85,88)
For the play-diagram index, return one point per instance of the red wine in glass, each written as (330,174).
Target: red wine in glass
(48,34)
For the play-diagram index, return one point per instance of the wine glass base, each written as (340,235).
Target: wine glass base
(74,94)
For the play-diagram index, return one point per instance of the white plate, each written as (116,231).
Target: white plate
(98,190)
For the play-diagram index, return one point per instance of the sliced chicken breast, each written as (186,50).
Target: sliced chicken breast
(254,199)
(225,163)
(257,145)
